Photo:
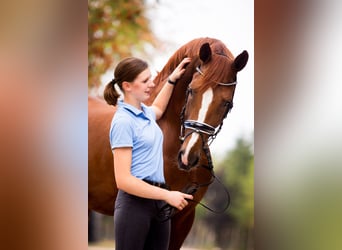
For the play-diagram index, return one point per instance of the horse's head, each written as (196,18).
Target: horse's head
(208,100)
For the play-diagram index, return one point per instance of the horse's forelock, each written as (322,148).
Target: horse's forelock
(219,70)
(191,49)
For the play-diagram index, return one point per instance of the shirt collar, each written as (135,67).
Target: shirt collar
(133,109)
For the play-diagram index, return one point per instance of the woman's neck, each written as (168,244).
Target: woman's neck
(133,102)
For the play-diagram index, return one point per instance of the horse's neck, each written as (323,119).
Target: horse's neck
(170,122)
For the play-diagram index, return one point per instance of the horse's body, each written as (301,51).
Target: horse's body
(102,188)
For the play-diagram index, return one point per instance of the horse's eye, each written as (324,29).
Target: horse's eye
(198,69)
(228,104)
(190,91)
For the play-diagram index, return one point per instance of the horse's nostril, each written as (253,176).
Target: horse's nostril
(193,160)
(187,161)
(182,160)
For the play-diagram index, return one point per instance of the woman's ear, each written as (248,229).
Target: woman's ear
(126,86)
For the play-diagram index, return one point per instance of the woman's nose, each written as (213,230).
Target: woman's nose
(151,84)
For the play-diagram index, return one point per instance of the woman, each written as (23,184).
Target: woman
(137,143)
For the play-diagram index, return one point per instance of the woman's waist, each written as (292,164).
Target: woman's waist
(157,184)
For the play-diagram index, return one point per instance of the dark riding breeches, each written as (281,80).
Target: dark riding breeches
(137,225)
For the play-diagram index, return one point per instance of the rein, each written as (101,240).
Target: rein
(167,211)
(195,186)
(192,189)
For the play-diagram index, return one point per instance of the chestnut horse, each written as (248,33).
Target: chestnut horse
(195,113)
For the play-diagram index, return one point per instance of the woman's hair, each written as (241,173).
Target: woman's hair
(127,70)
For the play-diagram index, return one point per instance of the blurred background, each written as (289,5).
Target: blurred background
(44,86)
(154,30)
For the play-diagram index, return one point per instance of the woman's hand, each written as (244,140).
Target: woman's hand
(179,70)
(178,199)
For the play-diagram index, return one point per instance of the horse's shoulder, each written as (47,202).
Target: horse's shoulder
(95,101)
(98,105)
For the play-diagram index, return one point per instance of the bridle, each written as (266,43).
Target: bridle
(201,128)
(219,83)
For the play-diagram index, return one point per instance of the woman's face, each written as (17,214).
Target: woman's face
(142,86)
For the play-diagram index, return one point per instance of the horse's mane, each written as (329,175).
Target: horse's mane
(191,49)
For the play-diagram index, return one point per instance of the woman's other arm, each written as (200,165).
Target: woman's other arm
(160,103)
(132,185)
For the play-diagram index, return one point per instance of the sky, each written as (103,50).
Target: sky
(177,22)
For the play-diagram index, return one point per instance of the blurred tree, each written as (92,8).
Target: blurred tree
(234,228)
(239,176)
(115,30)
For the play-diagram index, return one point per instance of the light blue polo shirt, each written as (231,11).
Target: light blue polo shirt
(138,129)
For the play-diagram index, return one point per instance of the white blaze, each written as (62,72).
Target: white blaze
(206,101)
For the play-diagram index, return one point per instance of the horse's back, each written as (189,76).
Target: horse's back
(101,181)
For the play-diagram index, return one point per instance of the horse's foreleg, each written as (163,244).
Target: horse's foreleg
(181,224)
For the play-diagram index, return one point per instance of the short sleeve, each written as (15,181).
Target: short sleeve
(121,133)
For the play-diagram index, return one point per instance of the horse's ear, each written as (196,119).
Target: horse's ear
(205,53)
(240,61)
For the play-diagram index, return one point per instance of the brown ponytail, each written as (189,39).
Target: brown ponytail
(110,94)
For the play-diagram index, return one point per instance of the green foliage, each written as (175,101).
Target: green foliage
(115,30)
(239,178)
